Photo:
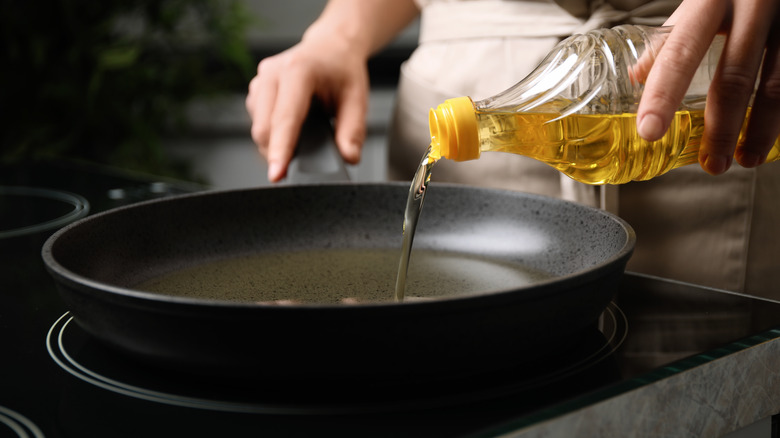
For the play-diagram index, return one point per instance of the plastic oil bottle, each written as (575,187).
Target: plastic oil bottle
(577,112)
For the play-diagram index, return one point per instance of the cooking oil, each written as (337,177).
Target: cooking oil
(596,149)
(350,276)
(576,111)
(414,205)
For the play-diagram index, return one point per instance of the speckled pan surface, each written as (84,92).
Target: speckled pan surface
(126,246)
(98,261)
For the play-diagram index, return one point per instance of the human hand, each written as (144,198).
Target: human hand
(281,92)
(752,27)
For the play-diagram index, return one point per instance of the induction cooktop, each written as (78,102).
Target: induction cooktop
(59,382)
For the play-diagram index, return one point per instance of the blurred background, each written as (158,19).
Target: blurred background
(158,86)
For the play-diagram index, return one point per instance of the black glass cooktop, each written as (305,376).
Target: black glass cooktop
(58,382)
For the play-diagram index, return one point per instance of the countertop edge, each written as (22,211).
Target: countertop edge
(711,399)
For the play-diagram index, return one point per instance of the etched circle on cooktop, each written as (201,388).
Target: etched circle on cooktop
(87,359)
(20,425)
(28,210)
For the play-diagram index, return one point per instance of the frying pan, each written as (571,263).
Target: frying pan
(98,262)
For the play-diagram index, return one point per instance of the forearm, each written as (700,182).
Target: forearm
(363,26)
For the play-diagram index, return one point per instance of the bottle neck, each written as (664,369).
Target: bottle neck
(454,130)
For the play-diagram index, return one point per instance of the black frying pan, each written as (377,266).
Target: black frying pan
(98,261)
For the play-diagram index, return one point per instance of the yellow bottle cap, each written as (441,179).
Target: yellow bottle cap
(454,132)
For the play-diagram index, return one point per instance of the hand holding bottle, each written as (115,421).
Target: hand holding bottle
(751,26)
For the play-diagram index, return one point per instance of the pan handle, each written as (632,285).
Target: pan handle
(316,157)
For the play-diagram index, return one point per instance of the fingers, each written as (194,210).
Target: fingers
(279,98)
(351,122)
(260,102)
(277,103)
(674,68)
(750,28)
(764,125)
(732,86)
(290,109)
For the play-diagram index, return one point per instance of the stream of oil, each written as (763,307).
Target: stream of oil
(414,205)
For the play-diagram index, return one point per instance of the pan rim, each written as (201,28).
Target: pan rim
(488,297)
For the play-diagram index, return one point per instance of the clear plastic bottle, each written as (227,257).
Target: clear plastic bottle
(577,112)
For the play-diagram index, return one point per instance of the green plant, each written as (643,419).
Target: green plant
(103,80)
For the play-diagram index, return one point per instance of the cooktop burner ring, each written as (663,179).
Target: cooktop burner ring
(79,204)
(19,424)
(60,355)
(612,330)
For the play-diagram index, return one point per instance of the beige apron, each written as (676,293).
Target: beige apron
(715,231)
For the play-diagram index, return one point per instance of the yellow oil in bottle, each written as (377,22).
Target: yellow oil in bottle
(596,149)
